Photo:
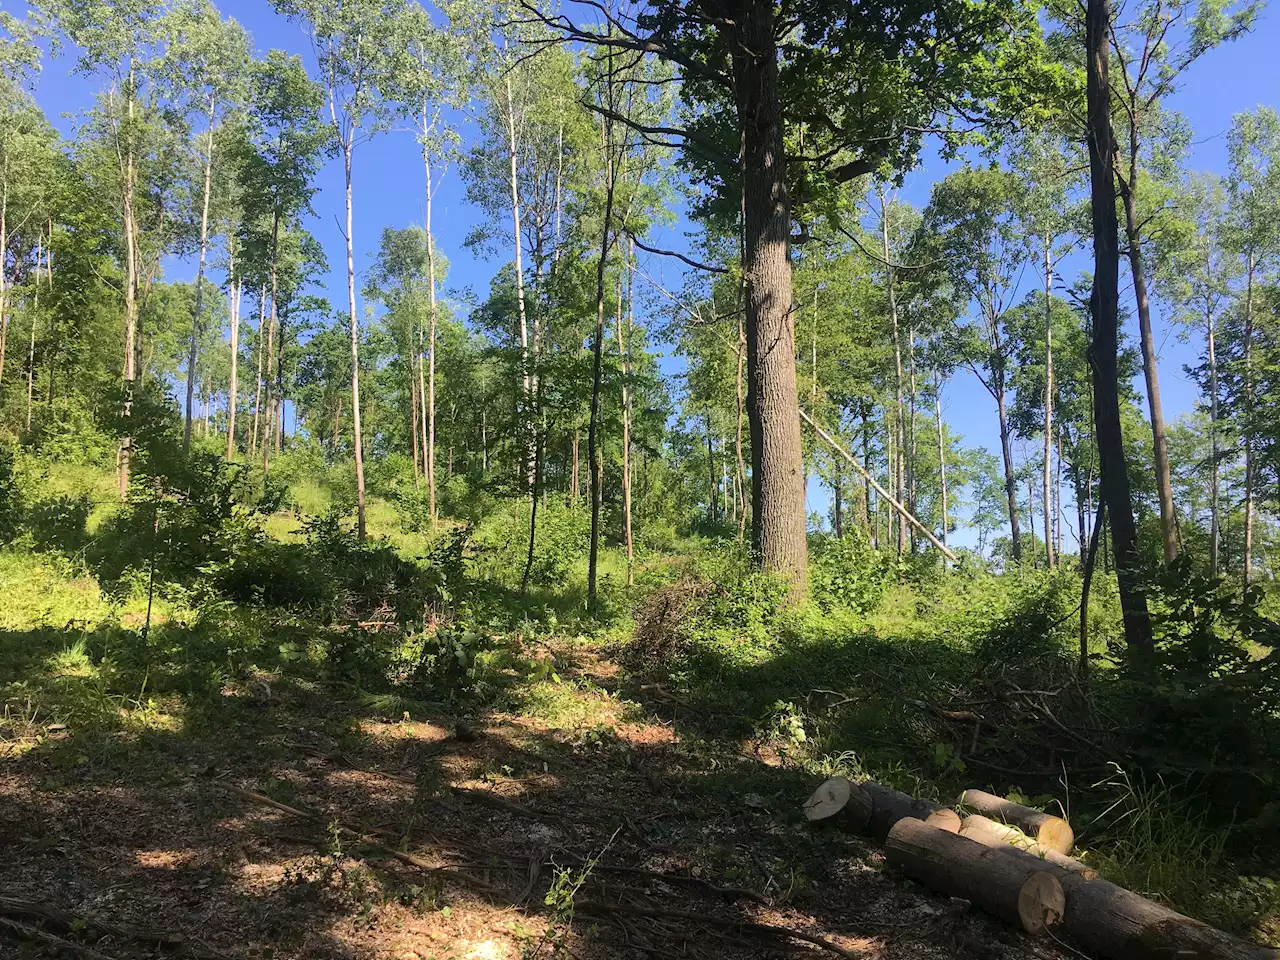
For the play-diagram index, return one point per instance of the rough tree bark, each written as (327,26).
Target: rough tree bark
(777,475)
(1105,312)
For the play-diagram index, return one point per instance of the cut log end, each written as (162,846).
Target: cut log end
(944,819)
(1041,903)
(842,800)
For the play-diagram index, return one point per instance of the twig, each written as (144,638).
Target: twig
(765,929)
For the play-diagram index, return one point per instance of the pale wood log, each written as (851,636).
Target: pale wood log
(1015,889)
(944,819)
(1046,829)
(839,800)
(1006,837)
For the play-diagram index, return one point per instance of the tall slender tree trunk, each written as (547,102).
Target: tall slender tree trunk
(4,259)
(357,436)
(596,467)
(741,351)
(1164,481)
(1214,480)
(1006,453)
(624,351)
(199,307)
(513,151)
(1057,498)
(257,390)
(130,291)
(31,349)
(942,459)
(866,479)
(415,373)
(1048,406)
(237,289)
(777,460)
(1248,420)
(1105,310)
(430,461)
(899,421)
(913,452)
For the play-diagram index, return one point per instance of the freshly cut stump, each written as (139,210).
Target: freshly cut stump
(1111,921)
(1014,888)
(944,819)
(839,800)
(1044,828)
(1004,837)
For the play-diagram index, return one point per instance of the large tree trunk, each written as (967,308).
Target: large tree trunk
(1105,310)
(199,309)
(1048,406)
(777,474)
(357,438)
(1164,481)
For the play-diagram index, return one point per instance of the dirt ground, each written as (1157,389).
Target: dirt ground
(585,825)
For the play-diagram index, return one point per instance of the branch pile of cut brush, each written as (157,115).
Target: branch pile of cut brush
(997,724)
(1015,863)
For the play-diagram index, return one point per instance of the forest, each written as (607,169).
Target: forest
(498,479)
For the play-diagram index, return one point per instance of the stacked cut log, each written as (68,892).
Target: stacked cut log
(864,807)
(1052,833)
(1014,863)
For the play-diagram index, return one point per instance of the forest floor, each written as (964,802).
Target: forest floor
(589,815)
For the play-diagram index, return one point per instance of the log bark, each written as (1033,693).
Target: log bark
(1046,829)
(1104,306)
(873,809)
(777,460)
(1111,921)
(1015,889)
(1005,837)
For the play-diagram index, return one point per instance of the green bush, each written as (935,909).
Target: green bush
(847,572)
(58,522)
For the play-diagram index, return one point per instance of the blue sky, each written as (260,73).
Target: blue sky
(388,191)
